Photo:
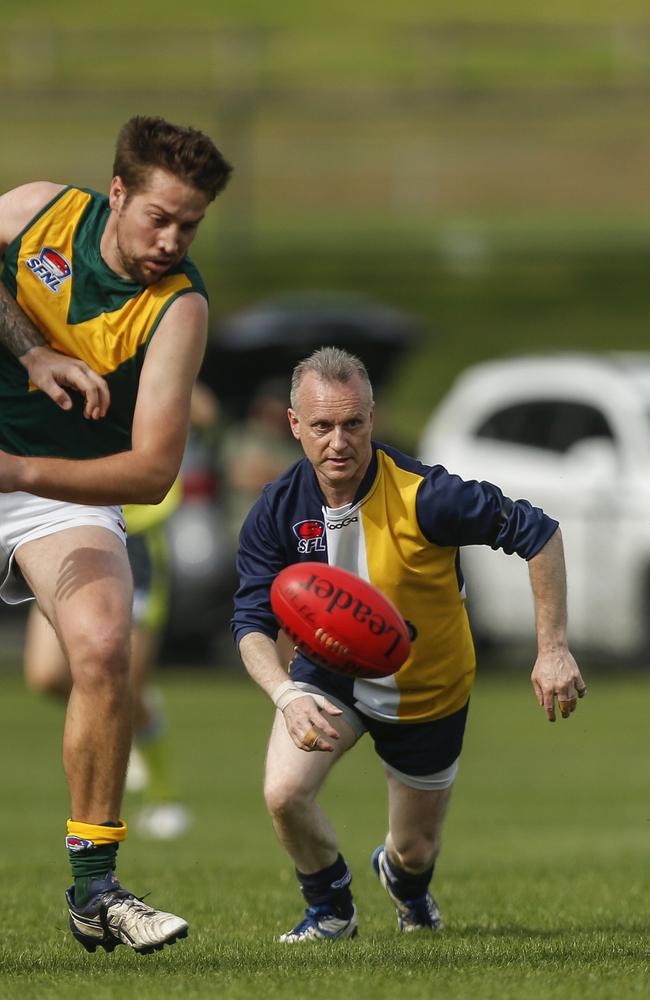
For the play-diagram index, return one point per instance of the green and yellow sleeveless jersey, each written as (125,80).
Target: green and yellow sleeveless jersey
(55,272)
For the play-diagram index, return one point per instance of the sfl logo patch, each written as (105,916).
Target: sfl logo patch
(310,535)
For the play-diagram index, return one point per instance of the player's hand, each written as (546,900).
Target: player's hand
(556,675)
(50,371)
(306,724)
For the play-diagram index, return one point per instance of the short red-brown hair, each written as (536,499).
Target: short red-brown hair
(145,143)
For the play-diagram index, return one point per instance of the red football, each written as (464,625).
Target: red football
(339,620)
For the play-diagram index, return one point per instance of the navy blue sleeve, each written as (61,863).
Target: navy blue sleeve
(259,560)
(454,511)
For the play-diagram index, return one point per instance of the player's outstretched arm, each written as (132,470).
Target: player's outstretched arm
(306,725)
(145,473)
(49,370)
(555,673)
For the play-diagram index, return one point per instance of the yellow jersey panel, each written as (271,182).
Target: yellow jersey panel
(421,579)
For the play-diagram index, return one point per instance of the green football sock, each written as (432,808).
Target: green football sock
(93,862)
(89,865)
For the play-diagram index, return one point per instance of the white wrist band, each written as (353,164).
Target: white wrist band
(287,692)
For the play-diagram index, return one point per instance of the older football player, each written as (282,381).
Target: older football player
(370,509)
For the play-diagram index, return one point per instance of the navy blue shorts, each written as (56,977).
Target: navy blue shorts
(419,748)
(416,749)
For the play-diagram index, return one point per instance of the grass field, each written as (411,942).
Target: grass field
(543,879)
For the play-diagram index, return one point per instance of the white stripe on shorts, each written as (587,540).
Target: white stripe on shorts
(426,782)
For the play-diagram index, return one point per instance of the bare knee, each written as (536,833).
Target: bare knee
(100,655)
(416,850)
(284,798)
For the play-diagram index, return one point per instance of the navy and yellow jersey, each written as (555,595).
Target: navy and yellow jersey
(55,272)
(402,533)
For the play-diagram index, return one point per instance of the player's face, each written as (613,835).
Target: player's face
(151,230)
(333,422)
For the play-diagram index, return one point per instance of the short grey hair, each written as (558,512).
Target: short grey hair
(331,364)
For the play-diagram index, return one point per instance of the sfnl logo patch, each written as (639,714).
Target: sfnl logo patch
(50,267)
(78,843)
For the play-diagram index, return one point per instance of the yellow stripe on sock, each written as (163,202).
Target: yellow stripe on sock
(98,834)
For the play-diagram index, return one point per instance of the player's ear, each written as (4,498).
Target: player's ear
(294,423)
(117,194)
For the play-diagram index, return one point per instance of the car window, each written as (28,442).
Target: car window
(552,424)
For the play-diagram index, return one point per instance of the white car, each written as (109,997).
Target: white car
(570,433)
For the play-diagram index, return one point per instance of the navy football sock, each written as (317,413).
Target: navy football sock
(405,885)
(329,885)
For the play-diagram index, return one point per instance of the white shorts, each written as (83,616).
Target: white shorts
(24,517)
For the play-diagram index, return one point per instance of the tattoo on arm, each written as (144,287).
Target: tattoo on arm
(17,333)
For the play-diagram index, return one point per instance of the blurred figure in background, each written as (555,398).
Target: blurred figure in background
(257,450)
(204,410)
(254,452)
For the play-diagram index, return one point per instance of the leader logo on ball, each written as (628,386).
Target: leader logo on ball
(340,620)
